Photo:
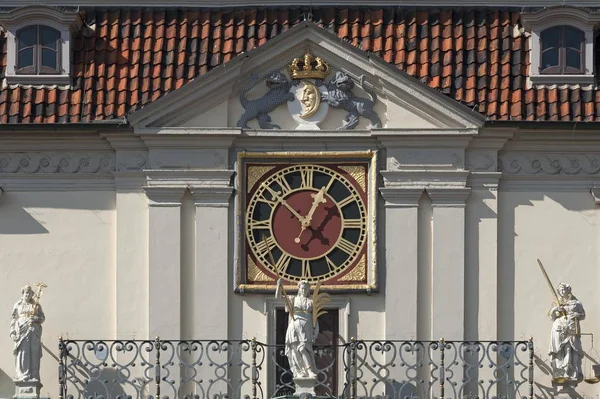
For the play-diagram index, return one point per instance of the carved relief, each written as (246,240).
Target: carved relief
(358,273)
(131,161)
(569,164)
(480,162)
(358,173)
(339,95)
(255,274)
(259,109)
(57,163)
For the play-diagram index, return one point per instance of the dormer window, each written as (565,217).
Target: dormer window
(562,45)
(562,50)
(38,50)
(38,44)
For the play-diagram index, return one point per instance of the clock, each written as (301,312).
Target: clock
(308,218)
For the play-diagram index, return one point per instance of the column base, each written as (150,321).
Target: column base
(27,389)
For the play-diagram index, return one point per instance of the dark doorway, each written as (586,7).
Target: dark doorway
(326,354)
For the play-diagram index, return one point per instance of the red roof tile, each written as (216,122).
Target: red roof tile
(137,55)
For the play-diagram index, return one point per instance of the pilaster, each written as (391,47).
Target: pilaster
(212,271)
(131,243)
(164,251)
(401,257)
(448,253)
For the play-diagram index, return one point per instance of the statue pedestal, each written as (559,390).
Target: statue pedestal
(27,389)
(305,385)
(565,390)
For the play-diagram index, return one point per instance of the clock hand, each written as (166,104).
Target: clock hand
(279,198)
(318,198)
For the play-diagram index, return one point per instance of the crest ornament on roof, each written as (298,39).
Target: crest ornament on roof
(308,67)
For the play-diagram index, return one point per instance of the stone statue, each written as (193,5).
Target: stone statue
(565,337)
(300,334)
(26,332)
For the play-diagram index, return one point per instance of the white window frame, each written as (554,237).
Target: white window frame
(581,19)
(63,21)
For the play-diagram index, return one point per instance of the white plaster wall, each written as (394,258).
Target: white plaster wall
(65,239)
(560,228)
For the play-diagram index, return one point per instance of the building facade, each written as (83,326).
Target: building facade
(161,168)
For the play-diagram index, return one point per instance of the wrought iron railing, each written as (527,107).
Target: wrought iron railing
(247,369)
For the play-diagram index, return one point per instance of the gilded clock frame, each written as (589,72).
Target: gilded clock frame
(287,158)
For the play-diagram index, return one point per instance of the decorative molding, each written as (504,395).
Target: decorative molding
(358,174)
(255,172)
(131,160)
(255,274)
(211,196)
(484,180)
(358,273)
(448,197)
(164,196)
(481,161)
(556,164)
(57,162)
(400,197)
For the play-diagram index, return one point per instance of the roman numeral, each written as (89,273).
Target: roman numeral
(346,246)
(352,224)
(332,266)
(307,178)
(266,245)
(345,201)
(306,272)
(283,262)
(260,224)
(285,186)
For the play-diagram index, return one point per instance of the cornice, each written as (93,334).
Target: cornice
(190,177)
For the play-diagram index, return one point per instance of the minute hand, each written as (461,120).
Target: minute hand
(318,198)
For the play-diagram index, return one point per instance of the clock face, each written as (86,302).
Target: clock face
(307,220)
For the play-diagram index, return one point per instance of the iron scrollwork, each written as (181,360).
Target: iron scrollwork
(195,369)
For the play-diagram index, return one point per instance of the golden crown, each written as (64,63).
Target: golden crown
(308,67)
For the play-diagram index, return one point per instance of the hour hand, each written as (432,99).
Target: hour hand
(279,198)
(292,211)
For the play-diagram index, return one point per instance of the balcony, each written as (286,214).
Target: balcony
(247,369)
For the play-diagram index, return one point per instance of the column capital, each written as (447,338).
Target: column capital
(401,197)
(484,180)
(211,196)
(449,197)
(164,195)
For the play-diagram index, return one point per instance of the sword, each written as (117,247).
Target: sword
(272,261)
(550,285)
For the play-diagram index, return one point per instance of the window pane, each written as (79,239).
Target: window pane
(49,37)
(25,58)
(49,58)
(575,38)
(550,58)
(27,37)
(551,38)
(573,58)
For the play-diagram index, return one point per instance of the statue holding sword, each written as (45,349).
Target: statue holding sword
(565,336)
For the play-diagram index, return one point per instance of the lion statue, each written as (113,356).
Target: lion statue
(279,93)
(339,95)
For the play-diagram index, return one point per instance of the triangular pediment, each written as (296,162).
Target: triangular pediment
(379,93)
